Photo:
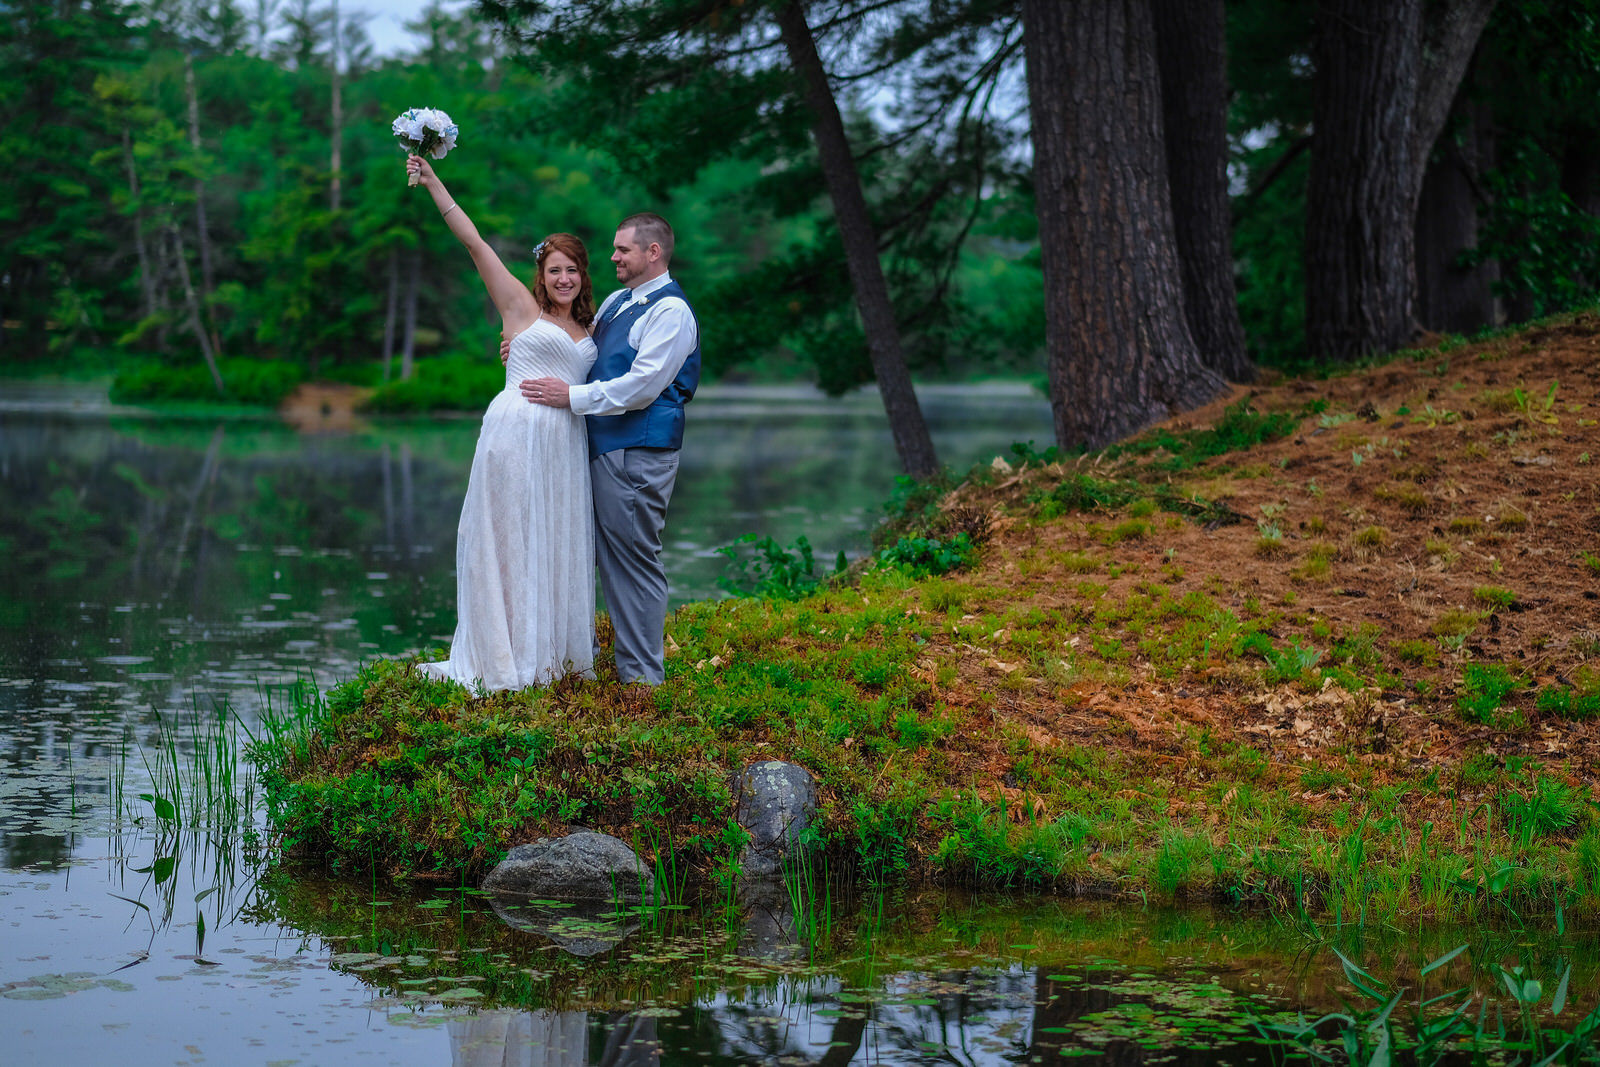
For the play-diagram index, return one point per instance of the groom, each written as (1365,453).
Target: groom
(646,368)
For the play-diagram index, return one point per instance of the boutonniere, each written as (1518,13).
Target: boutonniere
(642,301)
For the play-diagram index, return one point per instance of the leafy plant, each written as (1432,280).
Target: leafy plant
(771,570)
(1484,688)
(1549,806)
(1495,596)
(925,556)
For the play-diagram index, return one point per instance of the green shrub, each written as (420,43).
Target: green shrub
(447,383)
(248,382)
(924,556)
(1495,596)
(1569,702)
(1485,687)
(1241,427)
(1550,806)
(1420,653)
(771,570)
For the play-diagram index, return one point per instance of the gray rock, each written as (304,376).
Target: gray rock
(587,929)
(581,866)
(769,929)
(776,804)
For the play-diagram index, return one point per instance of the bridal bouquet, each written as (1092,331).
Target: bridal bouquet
(425,131)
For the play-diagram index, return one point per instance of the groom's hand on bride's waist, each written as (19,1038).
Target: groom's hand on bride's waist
(505,349)
(551,392)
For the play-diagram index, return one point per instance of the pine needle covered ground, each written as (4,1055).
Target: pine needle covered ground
(1329,643)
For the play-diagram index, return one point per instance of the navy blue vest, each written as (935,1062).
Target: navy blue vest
(661,424)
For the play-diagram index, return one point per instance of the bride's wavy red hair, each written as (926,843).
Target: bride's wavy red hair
(570,245)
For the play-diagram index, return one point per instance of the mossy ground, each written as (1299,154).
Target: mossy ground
(1333,644)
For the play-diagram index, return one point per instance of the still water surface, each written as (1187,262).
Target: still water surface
(159,568)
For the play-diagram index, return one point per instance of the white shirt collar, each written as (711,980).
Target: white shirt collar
(646,288)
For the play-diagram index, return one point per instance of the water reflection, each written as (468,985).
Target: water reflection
(170,565)
(159,569)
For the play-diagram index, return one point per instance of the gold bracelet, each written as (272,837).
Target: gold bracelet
(447,210)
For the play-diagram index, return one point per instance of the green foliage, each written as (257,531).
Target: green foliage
(925,556)
(1581,700)
(1484,688)
(1548,807)
(1291,664)
(1495,596)
(1085,492)
(770,570)
(1241,427)
(246,382)
(1547,246)
(912,508)
(448,383)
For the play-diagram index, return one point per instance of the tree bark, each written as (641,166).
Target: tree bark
(1191,50)
(911,438)
(408,341)
(390,308)
(1580,170)
(1360,217)
(1450,37)
(202,232)
(1119,351)
(146,282)
(195,322)
(1386,76)
(336,124)
(1450,297)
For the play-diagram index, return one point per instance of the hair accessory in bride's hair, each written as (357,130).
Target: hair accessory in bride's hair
(538,249)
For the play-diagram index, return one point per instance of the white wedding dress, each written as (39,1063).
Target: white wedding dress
(525,548)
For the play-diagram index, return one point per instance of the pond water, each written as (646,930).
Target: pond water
(167,577)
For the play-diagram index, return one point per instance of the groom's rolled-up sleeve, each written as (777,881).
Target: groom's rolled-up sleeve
(664,340)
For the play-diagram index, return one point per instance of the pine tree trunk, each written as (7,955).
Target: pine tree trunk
(202,232)
(1387,72)
(1451,297)
(195,322)
(390,308)
(1360,216)
(911,438)
(408,342)
(1118,346)
(146,282)
(1191,48)
(1580,171)
(336,125)
(1450,33)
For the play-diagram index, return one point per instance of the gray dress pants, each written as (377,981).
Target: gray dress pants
(631,489)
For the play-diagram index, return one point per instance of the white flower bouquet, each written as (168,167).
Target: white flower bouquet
(425,131)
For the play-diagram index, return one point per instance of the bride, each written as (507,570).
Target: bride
(525,547)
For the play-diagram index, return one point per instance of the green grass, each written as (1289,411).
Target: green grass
(1496,597)
(1241,427)
(1484,689)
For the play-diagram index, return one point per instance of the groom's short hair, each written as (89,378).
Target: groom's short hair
(648,229)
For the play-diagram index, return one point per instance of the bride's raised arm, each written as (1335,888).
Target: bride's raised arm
(516,305)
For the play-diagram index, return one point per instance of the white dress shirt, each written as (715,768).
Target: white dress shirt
(663,336)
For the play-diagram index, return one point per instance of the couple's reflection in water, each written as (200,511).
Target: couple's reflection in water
(908,1014)
(553,1039)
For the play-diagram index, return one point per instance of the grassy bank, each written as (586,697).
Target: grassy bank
(1331,646)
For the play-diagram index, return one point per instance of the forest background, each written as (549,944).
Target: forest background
(205,200)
